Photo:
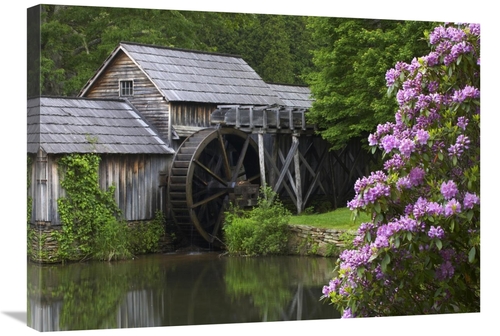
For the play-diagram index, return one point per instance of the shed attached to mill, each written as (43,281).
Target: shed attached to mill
(133,155)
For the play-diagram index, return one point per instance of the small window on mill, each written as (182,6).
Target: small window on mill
(126,88)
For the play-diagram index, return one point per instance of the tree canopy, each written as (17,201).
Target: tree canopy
(75,40)
(343,60)
(350,61)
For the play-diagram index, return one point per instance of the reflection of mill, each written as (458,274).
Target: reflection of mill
(300,308)
(180,289)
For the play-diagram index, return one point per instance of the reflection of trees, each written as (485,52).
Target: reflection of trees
(267,286)
(161,290)
(278,286)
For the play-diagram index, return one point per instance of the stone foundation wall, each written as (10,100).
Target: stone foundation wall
(42,244)
(309,240)
(303,240)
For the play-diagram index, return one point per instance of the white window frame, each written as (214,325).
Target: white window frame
(126,91)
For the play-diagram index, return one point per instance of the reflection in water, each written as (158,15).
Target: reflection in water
(177,289)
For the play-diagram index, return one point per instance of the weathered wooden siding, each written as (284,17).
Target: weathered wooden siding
(191,114)
(140,188)
(146,99)
(139,182)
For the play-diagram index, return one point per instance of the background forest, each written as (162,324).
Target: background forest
(342,60)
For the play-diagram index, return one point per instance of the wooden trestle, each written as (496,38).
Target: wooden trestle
(284,137)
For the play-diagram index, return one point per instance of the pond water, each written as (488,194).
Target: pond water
(177,289)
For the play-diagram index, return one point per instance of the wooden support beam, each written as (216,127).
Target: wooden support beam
(278,121)
(250,112)
(312,171)
(239,164)
(298,182)
(275,169)
(290,177)
(321,160)
(354,161)
(286,165)
(262,164)
(273,174)
(237,117)
(315,180)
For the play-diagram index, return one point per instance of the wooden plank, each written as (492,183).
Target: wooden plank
(225,159)
(42,199)
(262,164)
(276,170)
(286,165)
(237,117)
(55,192)
(250,116)
(315,180)
(298,182)
(289,175)
(318,168)
(239,164)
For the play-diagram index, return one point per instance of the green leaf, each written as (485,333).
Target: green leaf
(409,236)
(439,244)
(470,214)
(472,254)
(385,262)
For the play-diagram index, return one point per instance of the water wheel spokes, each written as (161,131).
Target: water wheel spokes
(205,171)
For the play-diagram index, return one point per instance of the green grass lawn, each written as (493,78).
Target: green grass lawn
(337,219)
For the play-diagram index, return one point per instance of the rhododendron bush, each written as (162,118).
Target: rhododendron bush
(420,254)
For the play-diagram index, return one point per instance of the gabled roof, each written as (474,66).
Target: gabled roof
(293,95)
(81,125)
(196,76)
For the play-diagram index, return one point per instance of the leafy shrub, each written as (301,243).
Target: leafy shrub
(111,241)
(144,237)
(262,230)
(421,252)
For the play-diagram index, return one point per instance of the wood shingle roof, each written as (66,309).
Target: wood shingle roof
(81,125)
(196,76)
(293,95)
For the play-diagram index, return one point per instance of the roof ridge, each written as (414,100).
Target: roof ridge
(287,84)
(214,53)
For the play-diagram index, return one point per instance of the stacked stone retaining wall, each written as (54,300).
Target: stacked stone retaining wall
(43,245)
(309,240)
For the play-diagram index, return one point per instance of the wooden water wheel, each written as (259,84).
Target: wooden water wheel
(212,168)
